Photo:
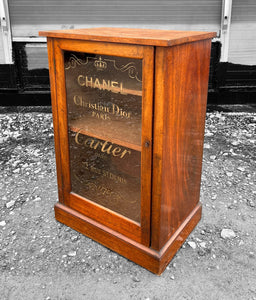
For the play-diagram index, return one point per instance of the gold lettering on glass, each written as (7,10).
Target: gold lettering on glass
(104,102)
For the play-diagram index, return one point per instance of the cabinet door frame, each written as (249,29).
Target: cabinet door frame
(139,232)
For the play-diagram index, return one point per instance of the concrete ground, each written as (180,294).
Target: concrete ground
(43,259)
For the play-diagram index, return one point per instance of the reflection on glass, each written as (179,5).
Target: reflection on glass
(104,100)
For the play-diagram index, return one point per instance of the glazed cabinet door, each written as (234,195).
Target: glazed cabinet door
(103,108)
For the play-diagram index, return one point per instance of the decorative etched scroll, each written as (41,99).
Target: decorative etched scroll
(130,67)
(101,64)
(74,61)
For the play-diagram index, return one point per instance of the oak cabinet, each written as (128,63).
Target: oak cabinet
(129,110)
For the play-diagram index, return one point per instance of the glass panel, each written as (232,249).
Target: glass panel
(104,100)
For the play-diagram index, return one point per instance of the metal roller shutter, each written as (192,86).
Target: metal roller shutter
(242,49)
(2,61)
(30,16)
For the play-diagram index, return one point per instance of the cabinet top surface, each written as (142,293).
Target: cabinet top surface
(152,37)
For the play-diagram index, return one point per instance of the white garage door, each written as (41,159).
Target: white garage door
(242,45)
(30,16)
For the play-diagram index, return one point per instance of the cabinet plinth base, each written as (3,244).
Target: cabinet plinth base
(154,261)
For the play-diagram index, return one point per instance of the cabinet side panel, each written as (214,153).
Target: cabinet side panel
(184,102)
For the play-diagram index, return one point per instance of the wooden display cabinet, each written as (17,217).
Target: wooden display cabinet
(129,110)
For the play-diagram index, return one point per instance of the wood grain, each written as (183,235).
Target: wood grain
(150,37)
(111,219)
(146,138)
(61,107)
(100,47)
(154,261)
(178,237)
(116,132)
(180,106)
(52,73)
(174,96)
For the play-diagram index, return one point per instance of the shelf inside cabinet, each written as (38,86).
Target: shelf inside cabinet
(124,91)
(119,132)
